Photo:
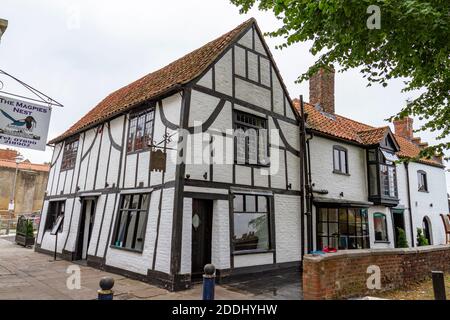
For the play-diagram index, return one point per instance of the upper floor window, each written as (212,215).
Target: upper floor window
(422,181)
(382,176)
(70,155)
(251,138)
(380,226)
(55,209)
(251,229)
(340,160)
(141,130)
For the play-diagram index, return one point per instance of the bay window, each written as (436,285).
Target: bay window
(382,174)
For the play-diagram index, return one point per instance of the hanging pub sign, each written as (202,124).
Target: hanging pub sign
(158,160)
(23,124)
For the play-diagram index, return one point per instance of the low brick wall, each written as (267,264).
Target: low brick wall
(344,274)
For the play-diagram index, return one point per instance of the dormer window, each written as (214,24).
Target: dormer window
(382,175)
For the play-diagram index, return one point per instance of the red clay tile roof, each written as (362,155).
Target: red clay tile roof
(357,132)
(25,165)
(373,136)
(170,77)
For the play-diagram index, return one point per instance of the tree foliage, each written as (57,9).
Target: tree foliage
(413,43)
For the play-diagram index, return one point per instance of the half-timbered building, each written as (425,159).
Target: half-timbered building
(197,162)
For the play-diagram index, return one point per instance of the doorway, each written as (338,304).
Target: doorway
(398,221)
(85,228)
(201,236)
(426,225)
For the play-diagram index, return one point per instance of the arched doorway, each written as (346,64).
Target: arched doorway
(426,225)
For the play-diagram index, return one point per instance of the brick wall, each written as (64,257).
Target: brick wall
(344,274)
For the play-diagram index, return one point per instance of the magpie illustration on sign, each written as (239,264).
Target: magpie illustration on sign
(22,124)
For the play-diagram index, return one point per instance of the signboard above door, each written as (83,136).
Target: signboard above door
(23,124)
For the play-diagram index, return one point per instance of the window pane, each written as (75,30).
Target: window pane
(384,177)
(240,143)
(144,201)
(141,231)
(262,204)
(135,202)
(250,203)
(263,156)
(251,231)
(336,163)
(333,229)
(379,221)
(131,228)
(373,180)
(323,214)
(333,215)
(343,157)
(351,216)
(392,182)
(252,146)
(126,201)
(121,229)
(238,203)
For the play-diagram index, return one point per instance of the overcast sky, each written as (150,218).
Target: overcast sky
(79,51)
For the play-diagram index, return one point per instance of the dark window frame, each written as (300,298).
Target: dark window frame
(246,126)
(422,181)
(358,226)
(53,212)
(339,167)
(384,216)
(70,152)
(145,116)
(379,195)
(139,211)
(269,219)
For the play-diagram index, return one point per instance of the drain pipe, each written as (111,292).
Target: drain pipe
(310,193)
(302,175)
(409,204)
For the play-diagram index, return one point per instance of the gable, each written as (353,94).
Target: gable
(246,71)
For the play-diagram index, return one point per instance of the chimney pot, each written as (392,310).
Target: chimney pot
(321,89)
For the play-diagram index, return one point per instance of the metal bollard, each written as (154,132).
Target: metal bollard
(209,282)
(438,285)
(105,293)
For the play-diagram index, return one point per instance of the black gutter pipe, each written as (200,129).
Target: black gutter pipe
(302,175)
(310,195)
(410,206)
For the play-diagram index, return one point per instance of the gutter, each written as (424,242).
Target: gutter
(302,175)
(409,204)
(310,195)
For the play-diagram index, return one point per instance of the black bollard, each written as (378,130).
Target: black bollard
(209,282)
(438,285)
(105,293)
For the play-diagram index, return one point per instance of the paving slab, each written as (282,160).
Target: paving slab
(26,274)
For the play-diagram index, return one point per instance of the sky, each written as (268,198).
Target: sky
(78,52)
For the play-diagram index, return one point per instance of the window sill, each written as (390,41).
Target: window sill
(252,165)
(381,241)
(341,173)
(126,249)
(256,251)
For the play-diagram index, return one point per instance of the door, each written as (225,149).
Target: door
(201,235)
(398,222)
(85,228)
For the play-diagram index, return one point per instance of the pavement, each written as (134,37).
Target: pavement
(26,274)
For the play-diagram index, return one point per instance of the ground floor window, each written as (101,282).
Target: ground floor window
(342,228)
(380,226)
(55,209)
(131,222)
(251,226)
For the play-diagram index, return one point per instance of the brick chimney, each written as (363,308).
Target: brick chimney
(404,128)
(321,89)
